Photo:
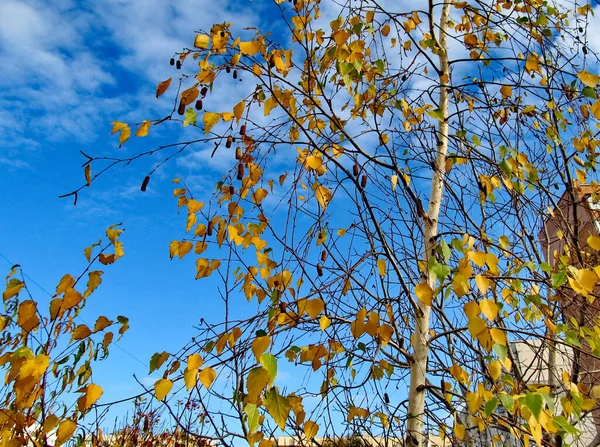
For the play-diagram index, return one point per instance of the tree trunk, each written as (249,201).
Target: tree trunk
(418,372)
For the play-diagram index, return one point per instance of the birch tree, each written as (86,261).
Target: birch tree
(381,233)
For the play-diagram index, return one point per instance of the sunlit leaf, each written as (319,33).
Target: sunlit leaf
(65,431)
(424,293)
(278,407)
(162,387)
(207,376)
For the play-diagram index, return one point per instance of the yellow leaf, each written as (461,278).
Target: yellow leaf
(92,394)
(65,283)
(385,333)
(102,323)
(87,172)
(270,104)
(589,79)
(259,195)
(498,336)
(27,318)
(238,110)
(483,284)
(201,41)
(81,332)
(162,388)
(207,376)
(94,280)
(162,87)
(594,242)
(478,257)
(189,377)
(476,326)
(315,307)
(194,361)
(143,129)
(117,126)
(323,196)
(489,308)
(194,206)
(532,63)
(381,267)
(459,431)
(495,369)
(394,180)
(124,135)
(385,30)
(506,91)
(257,380)
(324,322)
(424,293)
(210,119)
(310,429)
(260,345)
(64,432)
(250,48)
(184,248)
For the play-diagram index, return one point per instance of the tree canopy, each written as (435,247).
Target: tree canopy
(382,235)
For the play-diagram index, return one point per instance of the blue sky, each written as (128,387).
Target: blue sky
(69,69)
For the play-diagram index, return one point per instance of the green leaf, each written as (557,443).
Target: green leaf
(490,406)
(251,411)
(535,402)
(501,351)
(278,407)
(558,279)
(589,92)
(190,117)
(437,114)
(508,402)
(445,250)
(563,425)
(269,362)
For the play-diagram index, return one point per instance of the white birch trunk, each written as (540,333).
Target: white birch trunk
(416,405)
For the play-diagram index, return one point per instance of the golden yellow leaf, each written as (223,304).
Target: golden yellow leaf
(310,429)
(315,307)
(27,318)
(190,377)
(459,431)
(117,126)
(594,242)
(424,293)
(66,282)
(385,333)
(506,91)
(94,280)
(143,129)
(489,308)
(124,135)
(250,48)
(323,196)
(495,369)
(394,180)
(476,326)
(207,376)
(385,30)
(87,172)
(65,431)
(194,361)
(184,248)
(498,336)
(238,110)
(259,195)
(324,322)
(81,332)
(260,345)
(91,396)
(162,388)
(381,267)
(162,87)
(210,119)
(102,323)
(201,41)
(257,380)
(483,284)
(589,79)
(478,257)
(270,104)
